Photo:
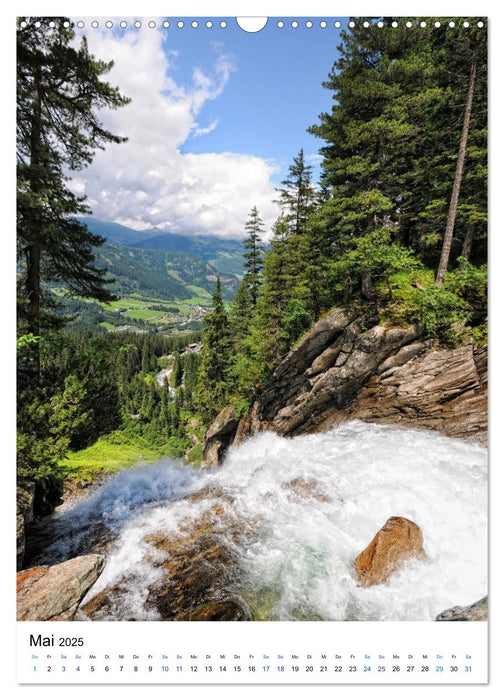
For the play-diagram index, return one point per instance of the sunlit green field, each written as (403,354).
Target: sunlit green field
(107,456)
(145,314)
(115,451)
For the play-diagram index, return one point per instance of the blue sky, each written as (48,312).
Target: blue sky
(273,96)
(216,117)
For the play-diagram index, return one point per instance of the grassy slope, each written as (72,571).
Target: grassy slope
(108,455)
(119,450)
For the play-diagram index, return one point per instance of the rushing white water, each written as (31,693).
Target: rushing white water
(300,565)
(163,379)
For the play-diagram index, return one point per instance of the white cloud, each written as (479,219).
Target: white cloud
(147,181)
(201,131)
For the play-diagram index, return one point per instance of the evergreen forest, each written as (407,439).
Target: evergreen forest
(396,226)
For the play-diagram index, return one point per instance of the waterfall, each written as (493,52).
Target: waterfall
(312,504)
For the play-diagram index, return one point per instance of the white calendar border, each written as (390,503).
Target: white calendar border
(310,653)
(261,8)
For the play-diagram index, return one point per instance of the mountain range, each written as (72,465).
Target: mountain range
(225,255)
(149,268)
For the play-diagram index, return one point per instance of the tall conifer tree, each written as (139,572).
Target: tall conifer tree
(390,145)
(298,200)
(213,380)
(297,195)
(253,255)
(59,93)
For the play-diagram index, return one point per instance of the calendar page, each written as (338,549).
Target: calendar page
(252,328)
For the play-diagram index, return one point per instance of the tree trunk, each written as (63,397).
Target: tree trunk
(367,289)
(468,240)
(33,251)
(450,224)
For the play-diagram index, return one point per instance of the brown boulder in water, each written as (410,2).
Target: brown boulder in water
(399,539)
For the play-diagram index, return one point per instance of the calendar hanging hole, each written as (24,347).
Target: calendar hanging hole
(252,24)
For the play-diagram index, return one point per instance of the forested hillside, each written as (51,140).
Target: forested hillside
(396,227)
(221,253)
(178,286)
(147,276)
(160,274)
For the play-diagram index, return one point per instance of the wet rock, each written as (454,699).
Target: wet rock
(106,605)
(226,611)
(301,489)
(199,568)
(45,533)
(219,437)
(54,592)
(209,492)
(202,566)
(25,498)
(474,613)
(48,494)
(39,535)
(398,540)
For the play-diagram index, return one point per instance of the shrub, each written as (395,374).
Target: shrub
(195,455)
(439,310)
(295,322)
(469,283)
(176,446)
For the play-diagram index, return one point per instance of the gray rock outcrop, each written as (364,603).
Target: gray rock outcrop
(475,612)
(218,436)
(346,367)
(437,389)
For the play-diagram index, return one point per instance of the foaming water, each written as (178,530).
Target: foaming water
(113,507)
(319,499)
(369,473)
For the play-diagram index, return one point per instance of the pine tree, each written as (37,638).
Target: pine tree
(146,360)
(471,58)
(297,196)
(299,256)
(253,255)
(191,364)
(59,92)
(281,314)
(390,147)
(277,291)
(213,381)
(177,372)
(241,312)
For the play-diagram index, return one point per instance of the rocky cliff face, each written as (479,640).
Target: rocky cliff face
(25,498)
(342,370)
(34,499)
